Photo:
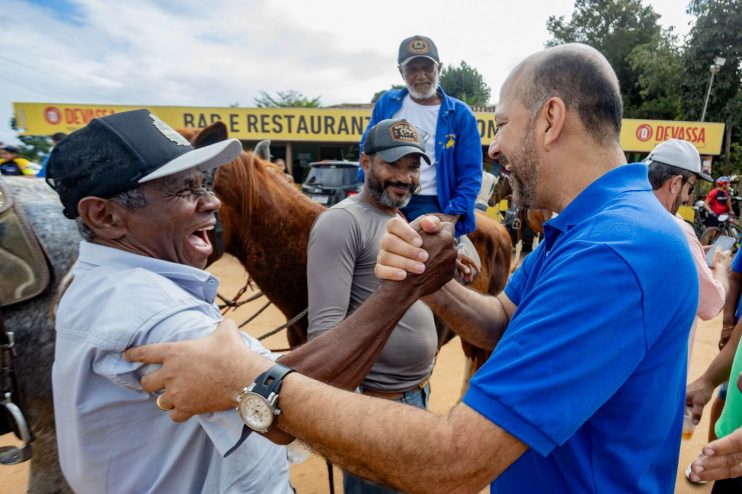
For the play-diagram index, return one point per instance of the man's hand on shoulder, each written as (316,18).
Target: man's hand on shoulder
(200,376)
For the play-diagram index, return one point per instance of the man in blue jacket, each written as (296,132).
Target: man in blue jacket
(449,186)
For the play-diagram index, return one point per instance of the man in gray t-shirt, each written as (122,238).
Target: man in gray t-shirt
(343,247)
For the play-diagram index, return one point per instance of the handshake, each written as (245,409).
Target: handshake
(420,254)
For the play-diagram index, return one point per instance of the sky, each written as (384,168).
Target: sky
(224,52)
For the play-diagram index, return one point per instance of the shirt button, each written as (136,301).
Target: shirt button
(211,281)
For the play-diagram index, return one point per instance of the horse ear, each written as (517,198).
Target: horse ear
(216,132)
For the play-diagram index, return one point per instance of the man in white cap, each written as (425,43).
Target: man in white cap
(674,169)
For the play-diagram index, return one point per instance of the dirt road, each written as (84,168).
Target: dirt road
(311,476)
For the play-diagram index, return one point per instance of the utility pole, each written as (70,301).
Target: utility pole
(714,68)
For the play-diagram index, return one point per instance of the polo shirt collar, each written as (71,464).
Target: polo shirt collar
(591,200)
(201,284)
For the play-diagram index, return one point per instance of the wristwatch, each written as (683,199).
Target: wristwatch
(257,404)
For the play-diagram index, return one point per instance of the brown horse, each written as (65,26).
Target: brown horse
(267,224)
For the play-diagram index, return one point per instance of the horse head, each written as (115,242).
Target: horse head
(266,224)
(502,188)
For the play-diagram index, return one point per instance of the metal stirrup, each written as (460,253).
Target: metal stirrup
(12,455)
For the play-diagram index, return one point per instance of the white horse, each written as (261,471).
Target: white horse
(33,328)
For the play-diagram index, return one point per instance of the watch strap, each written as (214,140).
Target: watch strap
(270,381)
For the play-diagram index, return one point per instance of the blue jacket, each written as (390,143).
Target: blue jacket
(458,152)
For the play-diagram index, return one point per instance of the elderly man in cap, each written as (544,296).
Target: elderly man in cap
(136,189)
(343,247)
(674,169)
(450,182)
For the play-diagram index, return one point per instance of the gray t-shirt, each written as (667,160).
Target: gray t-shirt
(343,247)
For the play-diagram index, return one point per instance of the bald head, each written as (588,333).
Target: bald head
(582,78)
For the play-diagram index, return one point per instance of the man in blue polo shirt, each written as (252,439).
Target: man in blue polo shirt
(585,389)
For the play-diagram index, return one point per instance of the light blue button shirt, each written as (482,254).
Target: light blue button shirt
(112,438)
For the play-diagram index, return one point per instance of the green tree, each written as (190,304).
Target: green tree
(465,83)
(34,148)
(717,32)
(658,68)
(290,98)
(615,28)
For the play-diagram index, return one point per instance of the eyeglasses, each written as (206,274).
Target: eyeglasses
(692,187)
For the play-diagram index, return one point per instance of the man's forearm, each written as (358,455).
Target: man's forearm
(479,319)
(405,447)
(719,368)
(731,299)
(344,355)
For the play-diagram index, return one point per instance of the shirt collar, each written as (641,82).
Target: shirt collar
(198,282)
(591,200)
(594,197)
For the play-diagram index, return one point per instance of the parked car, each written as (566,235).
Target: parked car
(329,182)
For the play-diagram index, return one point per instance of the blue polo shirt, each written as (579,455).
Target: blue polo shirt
(590,373)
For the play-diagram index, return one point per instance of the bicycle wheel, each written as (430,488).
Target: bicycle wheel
(710,235)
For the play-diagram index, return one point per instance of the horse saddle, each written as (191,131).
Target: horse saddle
(24,271)
(24,274)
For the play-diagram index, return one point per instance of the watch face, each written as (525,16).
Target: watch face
(256,412)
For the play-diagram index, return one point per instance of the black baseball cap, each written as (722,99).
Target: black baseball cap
(119,152)
(393,139)
(417,46)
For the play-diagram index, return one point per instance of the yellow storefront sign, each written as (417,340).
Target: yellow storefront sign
(328,124)
(644,135)
(280,124)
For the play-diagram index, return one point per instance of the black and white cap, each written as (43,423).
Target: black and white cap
(119,152)
(393,139)
(415,47)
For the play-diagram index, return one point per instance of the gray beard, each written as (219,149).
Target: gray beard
(384,199)
(429,94)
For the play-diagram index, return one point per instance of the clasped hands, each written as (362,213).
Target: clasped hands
(205,375)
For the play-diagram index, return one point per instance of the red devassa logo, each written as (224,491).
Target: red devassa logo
(644,132)
(52,115)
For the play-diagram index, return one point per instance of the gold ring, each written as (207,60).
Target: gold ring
(160,406)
